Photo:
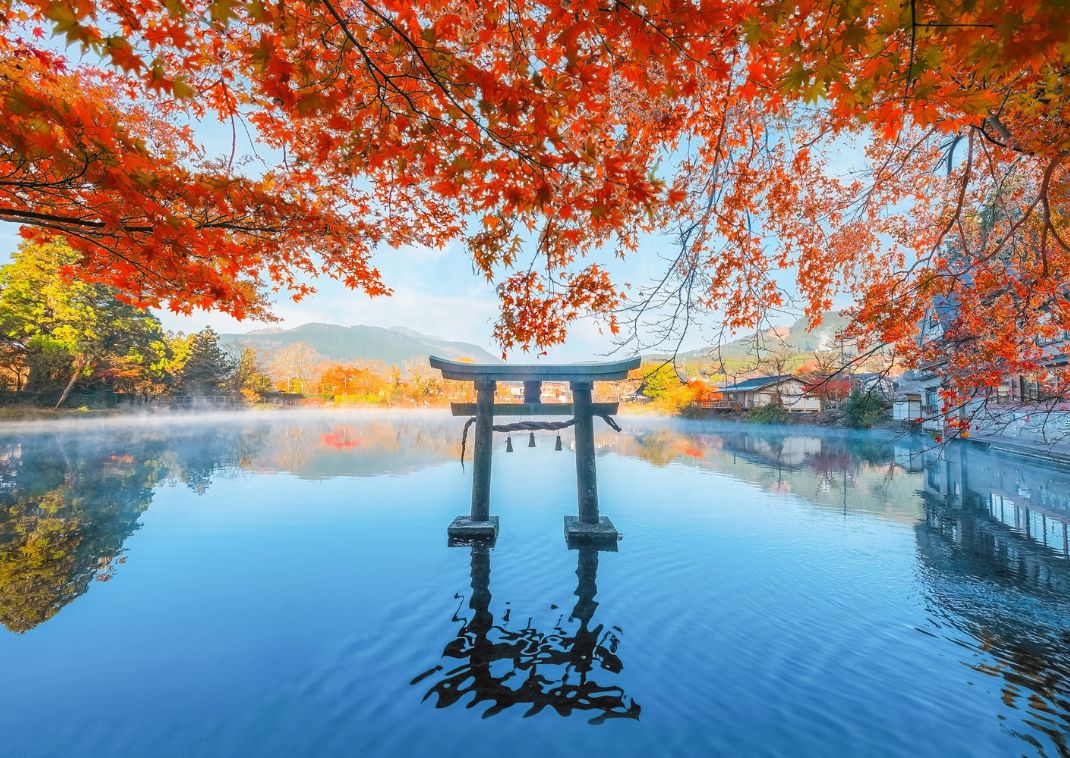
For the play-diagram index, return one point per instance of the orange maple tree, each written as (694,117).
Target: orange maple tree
(549,135)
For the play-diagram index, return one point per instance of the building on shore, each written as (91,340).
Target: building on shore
(1016,407)
(785,390)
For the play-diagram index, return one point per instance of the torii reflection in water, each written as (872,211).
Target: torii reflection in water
(541,669)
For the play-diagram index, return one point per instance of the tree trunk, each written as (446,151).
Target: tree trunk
(78,366)
(17,373)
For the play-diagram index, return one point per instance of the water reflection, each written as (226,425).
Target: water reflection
(68,505)
(987,543)
(492,663)
(995,569)
(849,472)
(63,522)
(68,502)
(1028,501)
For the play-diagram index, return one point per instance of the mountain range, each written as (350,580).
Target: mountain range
(393,347)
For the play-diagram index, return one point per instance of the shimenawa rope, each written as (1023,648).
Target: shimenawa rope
(529,426)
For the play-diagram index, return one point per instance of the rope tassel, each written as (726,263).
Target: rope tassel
(557,445)
(529,426)
(531,439)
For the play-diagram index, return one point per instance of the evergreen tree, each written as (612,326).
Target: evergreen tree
(864,409)
(208,369)
(55,331)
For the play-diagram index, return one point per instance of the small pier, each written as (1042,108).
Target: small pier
(588,525)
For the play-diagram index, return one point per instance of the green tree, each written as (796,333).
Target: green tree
(249,374)
(56,330)
(134,355)
(207,369)
(774,413)
(12,350)
(660,382)
(864,409)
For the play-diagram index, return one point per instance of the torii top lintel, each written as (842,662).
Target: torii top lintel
(569,372)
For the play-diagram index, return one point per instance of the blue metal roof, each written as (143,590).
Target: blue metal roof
(758,382)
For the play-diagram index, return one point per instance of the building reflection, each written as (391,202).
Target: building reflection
(1030,500)
(994,557)
(854,472)
(557,668)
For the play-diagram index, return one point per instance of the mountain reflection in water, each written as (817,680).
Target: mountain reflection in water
(992,553)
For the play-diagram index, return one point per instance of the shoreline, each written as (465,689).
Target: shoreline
(30,420)
(1020,449)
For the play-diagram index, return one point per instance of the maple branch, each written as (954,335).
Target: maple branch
(34,217)
(152,274)
(1048,224)
(913,46)
(376,71)
(935,25)
(959,204)
(690,240)
(435,78)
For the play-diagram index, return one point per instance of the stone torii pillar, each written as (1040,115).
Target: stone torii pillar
(588,524)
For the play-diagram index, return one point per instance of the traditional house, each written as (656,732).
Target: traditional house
(786,390)
(916,393)
(875,382)
(906,402)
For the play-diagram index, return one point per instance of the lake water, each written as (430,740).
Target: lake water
(281,585)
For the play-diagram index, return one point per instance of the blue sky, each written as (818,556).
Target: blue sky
(435,291)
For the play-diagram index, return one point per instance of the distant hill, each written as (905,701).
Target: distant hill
(794,340)
(394,346)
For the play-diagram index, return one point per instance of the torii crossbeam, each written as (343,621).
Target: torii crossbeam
(588,525)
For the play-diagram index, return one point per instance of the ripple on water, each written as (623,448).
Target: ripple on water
(775,594)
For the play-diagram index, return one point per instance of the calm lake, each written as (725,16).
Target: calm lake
(281,585)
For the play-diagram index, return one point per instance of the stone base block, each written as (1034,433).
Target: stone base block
(602,535)
(464,530)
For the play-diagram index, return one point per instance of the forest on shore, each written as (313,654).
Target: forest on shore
(65,342)
(68,343)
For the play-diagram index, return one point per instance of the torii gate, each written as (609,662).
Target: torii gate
(588,525)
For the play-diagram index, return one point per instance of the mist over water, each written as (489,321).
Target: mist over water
(281,584)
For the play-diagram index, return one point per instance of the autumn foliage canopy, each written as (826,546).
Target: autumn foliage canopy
(548,136)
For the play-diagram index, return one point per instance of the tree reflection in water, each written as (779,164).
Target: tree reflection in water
(528,666)
(68,506)
(64,515)
(69,502)
(992,544)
